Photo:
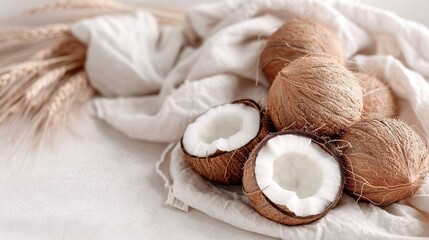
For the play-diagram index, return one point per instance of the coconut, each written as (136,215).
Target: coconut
(317,94)
(296,39)
(378,98)
(219,141)
(293,178)
(385,160)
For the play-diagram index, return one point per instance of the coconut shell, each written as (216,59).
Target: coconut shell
(227,167)
(315,93)
(295,39)
(275,212)
(385,160)
(378,98)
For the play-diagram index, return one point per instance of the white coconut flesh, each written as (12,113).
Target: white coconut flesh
(225,128)
(295,172)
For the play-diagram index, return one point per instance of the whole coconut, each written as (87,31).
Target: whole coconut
(385,160)
(315,93)
(296,39)
(378,98)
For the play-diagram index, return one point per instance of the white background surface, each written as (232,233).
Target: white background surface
(69,180)
(410,9)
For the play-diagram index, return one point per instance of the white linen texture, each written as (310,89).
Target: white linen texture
(156,80)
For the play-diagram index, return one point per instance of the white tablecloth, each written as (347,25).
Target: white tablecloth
(97,184)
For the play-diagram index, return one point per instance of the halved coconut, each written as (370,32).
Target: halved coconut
(293,178)
(219,141)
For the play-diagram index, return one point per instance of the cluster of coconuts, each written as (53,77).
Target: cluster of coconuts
(325,129)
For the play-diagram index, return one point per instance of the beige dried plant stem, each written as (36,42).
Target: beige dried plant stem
(21,102)
(32,34)
(32,93)
(62,47)
(21,52)
(19,71)
(48,79)
(79,5)
(28,85)
(12,76)
(40,50)
(164,15)
(74,92)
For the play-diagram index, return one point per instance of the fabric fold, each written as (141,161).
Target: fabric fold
(128,54)
(138,119)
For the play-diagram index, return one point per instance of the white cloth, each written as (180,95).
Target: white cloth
(138,57)
(214,60)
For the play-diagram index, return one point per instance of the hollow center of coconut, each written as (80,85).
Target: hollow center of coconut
(225,128)
(295,172)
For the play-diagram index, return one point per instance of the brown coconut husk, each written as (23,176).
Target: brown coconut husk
(227,167)
(317,94)
(378,97)
(385,160)
(295,39)
(280,213)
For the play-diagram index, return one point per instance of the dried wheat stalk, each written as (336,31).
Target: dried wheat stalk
(14,75)
(40,87)
(164,16)
(28,85)
(64,47)
(32,34)
(16,72)
(80,5)
(40,50)
(29,90)
(21,102)
(74,92)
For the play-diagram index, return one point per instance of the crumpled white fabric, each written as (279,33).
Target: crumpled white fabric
(132,50)
(213,60)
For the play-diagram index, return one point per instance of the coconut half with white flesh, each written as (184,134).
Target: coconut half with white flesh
(219,141)
(293,178)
